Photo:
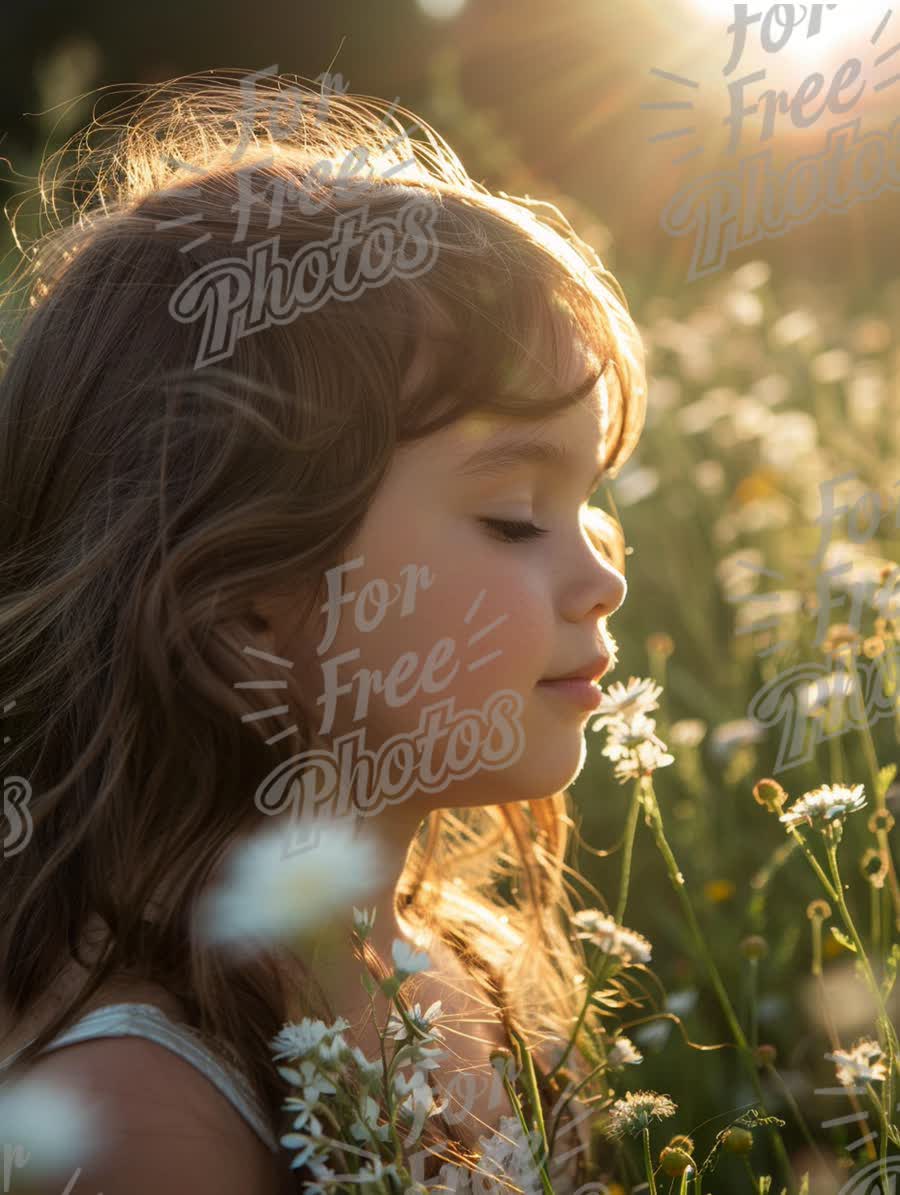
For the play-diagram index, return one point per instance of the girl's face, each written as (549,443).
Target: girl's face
(433,604)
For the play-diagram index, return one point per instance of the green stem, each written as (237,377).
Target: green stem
(886,1027)
(744,1051)
(882,1116)
(754,1181)
(753,1002)
(813,862)
(529,1078)
(875,918)
(648,1163)
(630,828)
(517,1108)
(594,981)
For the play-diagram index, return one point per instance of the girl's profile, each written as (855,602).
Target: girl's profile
(178,540)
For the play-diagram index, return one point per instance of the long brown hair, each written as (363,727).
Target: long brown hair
(145,502)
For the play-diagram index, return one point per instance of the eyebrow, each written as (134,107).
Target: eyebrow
(495,459)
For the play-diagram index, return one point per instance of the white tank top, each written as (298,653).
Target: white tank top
(146,1020)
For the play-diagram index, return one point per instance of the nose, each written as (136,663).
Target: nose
(596,588)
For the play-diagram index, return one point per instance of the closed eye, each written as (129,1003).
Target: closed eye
(514,531)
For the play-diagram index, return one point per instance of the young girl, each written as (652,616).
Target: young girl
(250,507)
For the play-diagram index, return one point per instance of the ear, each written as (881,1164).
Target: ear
(277,619)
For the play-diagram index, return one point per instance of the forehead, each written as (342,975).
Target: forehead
(585,420)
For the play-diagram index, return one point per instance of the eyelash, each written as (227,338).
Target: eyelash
(513,531)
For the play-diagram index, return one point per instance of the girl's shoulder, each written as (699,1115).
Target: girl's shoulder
(159,1090)
(164,1126)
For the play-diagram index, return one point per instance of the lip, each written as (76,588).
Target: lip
(578,689)
(592,671)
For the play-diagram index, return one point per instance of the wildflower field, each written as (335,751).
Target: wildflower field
(758,856)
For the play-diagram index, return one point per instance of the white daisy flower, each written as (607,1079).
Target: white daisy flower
(643,760)
(629,1116)
(407,960)
(49,1127)
(310,1078)
(509,1154)
(367,1124)
(363,920)
(639,696)
(816,697)
(822,806)
(626,734)
(304,1144)
(368,1069)
(687,732)
(297,1039)
(623,1052)
(417,1100)
(426,1021)
(303,1115)
(271,894)
(862,1063)
(603,932)
(741,732)
(426,1058)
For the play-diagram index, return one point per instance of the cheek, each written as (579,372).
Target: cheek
(492,603)
(498,616)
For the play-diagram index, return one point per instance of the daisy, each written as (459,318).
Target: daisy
(366,1124)
(624,1053)
(271,893)
(311,1079)
(303,1118)
(406,960)
(509,1155)
(822,806)
(603,931)
(626,734)
(816,697)
(363,920)
(639,696)
(426,1021)
(742,732)
(370,1071)
(687,732)
(633,1114)
(862,1063)
(417,1100)
(301,1038)
(643,762)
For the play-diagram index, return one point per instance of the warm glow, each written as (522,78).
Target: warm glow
(844,30)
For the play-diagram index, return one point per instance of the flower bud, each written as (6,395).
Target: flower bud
(769,794)
(818,910)
(881,819)
(765,1055)
(660,644)
(737,1140)
(674,1162)
(754,947)
(874,868)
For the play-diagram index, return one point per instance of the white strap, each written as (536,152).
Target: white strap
(146,1020)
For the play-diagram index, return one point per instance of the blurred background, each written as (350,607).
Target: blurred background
(769,375)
